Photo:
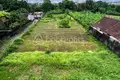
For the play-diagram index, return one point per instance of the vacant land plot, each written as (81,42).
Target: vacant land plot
(47,36)
(87,59)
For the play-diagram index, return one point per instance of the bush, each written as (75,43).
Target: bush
(64,24)
(4,14)
(86,18)
(14,25)
(18,41)
(113,13)
(61,17)
(10,49)
(27,33)
(22,10)
(49,15)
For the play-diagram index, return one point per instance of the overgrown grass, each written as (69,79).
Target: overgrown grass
(96,65)
(47,27)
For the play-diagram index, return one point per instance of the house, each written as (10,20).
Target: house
(31,17)
(107,30)
(38,15)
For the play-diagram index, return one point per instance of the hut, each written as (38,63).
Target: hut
(107,30)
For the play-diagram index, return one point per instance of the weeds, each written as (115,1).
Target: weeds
(68,65)
(18,41)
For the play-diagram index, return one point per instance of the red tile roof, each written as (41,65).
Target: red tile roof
(109,26)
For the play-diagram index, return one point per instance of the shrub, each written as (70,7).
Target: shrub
(86,18)
(4,14)
(22,10)
(18,41)
(61,17)
(10,49)
(49,15)
(64,24)
(14,25)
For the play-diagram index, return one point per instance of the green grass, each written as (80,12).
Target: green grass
(32,42)
(86,18)
(83,60)
(96,65)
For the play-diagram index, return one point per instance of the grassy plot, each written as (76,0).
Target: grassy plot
(47,36)
(69,59)
(103,65)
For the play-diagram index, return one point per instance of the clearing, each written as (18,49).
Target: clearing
(47,35)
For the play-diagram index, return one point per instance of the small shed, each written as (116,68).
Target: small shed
(38,15)
(107,30)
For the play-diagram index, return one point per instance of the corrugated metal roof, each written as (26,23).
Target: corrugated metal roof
(109,26)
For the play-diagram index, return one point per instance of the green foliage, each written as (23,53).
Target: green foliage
(13,47)
(49,15)
(96,65)
(47,49)
(61,17)
(109,12)
(89,4)
(34,7)
(86,18)
(10,49)
(14,25)
(102,10)
(18,41)
(12,5)
(118,8)
(57,11)
(14,17)
(47,5)
(67,4)
(22,10)
(17,19)
(4,14)
(45,20)
(64,23)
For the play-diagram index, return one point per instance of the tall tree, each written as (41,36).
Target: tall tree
(89,4)
(47,5)
(67,4)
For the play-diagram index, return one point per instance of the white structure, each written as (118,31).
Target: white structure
(38,14)
(31,17)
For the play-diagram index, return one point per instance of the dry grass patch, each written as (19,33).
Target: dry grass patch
(56,46)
